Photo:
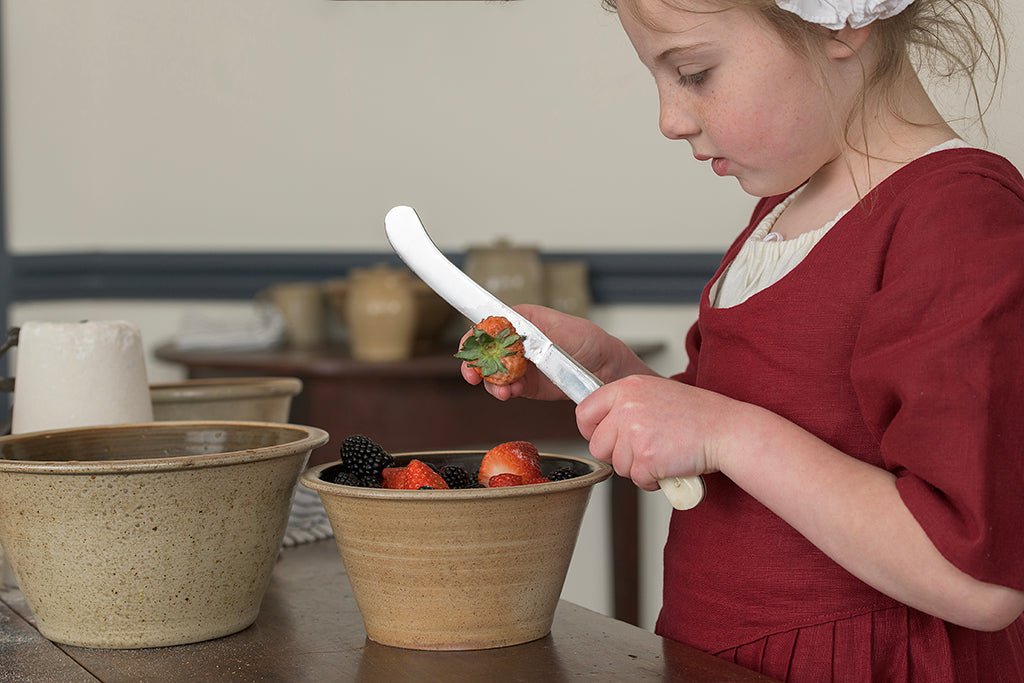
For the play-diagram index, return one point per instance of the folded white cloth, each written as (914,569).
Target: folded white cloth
(261,327)
(835,14)
(308,520)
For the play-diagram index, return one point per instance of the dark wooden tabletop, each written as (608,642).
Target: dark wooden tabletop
(309,629)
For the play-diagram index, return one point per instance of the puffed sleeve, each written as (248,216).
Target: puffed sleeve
(939,370)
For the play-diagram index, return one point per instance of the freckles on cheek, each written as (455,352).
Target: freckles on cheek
(746,130)
(759,132)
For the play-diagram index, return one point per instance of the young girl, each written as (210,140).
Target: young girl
(855,393)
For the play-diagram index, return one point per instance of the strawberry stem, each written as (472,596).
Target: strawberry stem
(485,352)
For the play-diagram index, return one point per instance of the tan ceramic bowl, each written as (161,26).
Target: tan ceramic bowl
(253,399)
(463,569)
(145,535)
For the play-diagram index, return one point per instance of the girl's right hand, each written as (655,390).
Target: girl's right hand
(606,356)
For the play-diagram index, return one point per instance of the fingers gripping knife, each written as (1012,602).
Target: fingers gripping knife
(410,241)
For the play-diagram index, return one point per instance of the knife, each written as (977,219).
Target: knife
(410,241)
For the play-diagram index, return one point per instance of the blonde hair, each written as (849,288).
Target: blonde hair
(940,39)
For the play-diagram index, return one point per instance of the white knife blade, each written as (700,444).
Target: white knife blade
(410,241)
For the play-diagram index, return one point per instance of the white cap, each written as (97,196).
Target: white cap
(836,14)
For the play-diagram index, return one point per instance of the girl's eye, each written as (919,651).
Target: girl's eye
(693,80)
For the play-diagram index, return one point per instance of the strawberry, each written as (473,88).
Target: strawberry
(495,351)
(539,480)
(517,457)
(394,477)
(419,474)
(504,479)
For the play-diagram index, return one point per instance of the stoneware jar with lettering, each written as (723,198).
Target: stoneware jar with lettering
(380,312)
(567,287)
(510,272)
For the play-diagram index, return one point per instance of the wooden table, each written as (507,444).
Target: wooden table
(424,404)
(309,629)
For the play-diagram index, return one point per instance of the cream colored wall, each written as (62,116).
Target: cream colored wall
(293,125)
(296,124)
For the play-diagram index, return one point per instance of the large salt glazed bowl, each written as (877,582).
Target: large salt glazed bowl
(459,569)
(145,535)
(254,399)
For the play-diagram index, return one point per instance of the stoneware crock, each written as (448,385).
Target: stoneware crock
(461,569)
(433,314)
(147,535)
(380,313)
(255,399)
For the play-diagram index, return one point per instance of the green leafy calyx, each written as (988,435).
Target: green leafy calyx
(484,352)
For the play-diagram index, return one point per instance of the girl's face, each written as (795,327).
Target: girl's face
(729,86)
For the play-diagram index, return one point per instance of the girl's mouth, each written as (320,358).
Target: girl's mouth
(720,166)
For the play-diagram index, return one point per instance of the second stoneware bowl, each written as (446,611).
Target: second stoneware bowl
(255,399)
(146,535)
(463,569)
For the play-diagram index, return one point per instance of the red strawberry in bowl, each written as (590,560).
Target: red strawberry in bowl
(419,475)
(515,457)
(504,479)
(394,477)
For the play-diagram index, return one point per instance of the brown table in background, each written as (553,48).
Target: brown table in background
(423,404)
(309,629)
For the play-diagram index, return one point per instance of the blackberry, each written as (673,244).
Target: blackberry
(456,477)
(363,457)
(562,473)
(347,478)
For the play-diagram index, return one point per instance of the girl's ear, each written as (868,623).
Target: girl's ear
(847,41)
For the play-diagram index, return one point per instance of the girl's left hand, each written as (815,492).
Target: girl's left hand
(649,428)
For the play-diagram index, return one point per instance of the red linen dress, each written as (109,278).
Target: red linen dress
(898,340)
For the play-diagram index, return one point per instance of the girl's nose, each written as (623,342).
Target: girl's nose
(675,122)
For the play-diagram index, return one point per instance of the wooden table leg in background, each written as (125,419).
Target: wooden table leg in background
(625,529)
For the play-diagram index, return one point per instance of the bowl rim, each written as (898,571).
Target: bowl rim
(223,388)
(601,471)
(307,438)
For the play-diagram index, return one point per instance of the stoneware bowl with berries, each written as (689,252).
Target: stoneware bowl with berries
(466,567)
(147,535)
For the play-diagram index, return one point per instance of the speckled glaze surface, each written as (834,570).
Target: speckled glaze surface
(458,570)
(148,535)
(254,399)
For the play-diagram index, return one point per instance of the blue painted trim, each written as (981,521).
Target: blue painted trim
(614,277)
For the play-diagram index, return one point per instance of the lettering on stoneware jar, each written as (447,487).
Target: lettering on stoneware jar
(567,287)
(512,273)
